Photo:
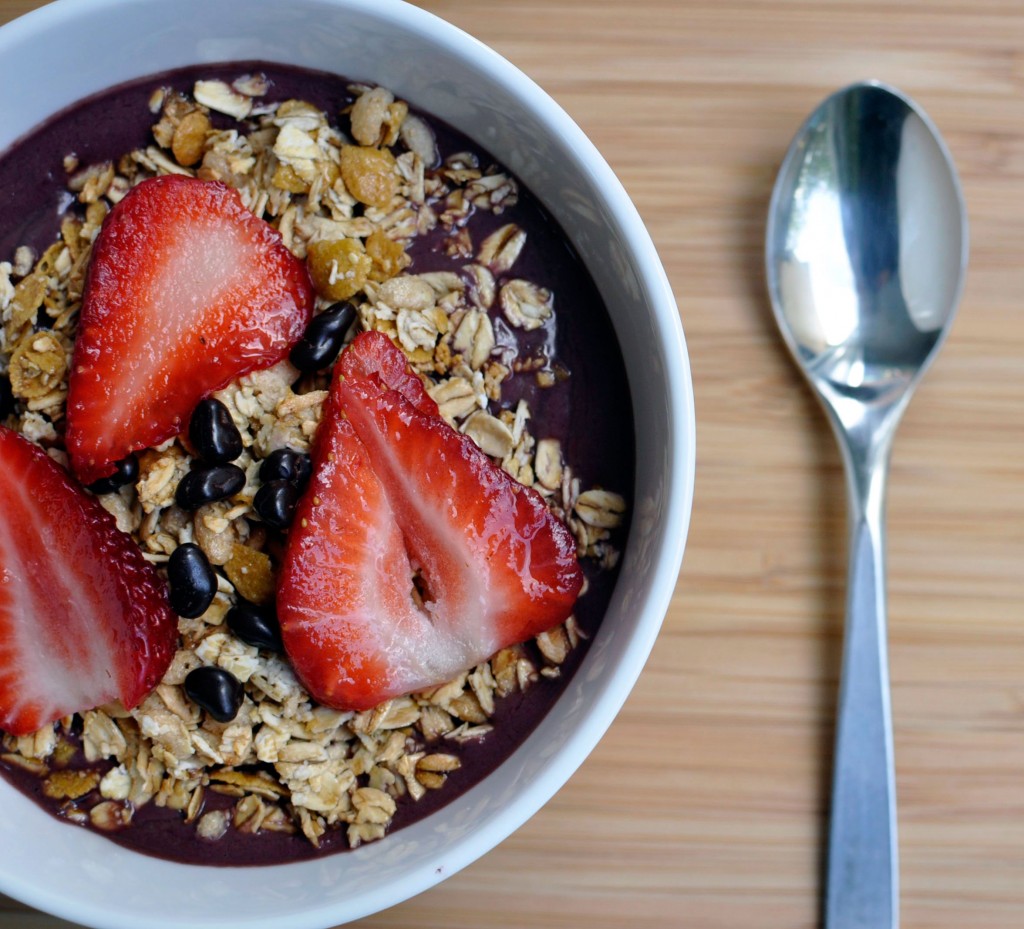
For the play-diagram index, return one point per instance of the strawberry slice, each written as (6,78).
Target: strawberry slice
(345,567)
(412,556)
(84,618)
(186,290)
(373,354)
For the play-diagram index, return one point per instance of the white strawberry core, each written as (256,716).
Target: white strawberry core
(56,651)
(199,273)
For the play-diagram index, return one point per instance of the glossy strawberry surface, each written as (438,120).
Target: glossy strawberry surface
(84,618)
(412,556)
(186,290)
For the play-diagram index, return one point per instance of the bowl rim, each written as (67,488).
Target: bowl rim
(675,515)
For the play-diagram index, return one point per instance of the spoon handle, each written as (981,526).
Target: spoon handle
(862,887)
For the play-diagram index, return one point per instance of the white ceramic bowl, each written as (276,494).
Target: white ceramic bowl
(73,48)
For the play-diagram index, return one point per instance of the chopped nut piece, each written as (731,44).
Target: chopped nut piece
(252,85)
(526,305)
(600,508)
(419,138)
(369,113)
(455,398)
(116,784)
(212,825)
(24,258)
(221,97)
(31,765)
(554,645)
(110,815)
(502,247)
(548,463)
(438,763)
(474,337)
(490,433)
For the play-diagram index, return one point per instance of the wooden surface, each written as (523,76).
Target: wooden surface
(704,805)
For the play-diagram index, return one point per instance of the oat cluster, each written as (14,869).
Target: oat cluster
(352,206)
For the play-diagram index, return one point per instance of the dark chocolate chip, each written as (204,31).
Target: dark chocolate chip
(213,433)
(256,625)
(275,503)
(286,464)
(207,483)
(324,336)
(192,581)
(126,472)
(217,691)
(6,398)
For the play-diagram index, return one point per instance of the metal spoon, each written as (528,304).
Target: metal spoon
(866,252)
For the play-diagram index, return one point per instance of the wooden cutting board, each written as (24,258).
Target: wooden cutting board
(704,805)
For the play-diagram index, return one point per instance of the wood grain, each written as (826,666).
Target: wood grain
(704,805)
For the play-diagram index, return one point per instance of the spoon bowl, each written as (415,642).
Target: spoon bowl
(866,242)
(866,251)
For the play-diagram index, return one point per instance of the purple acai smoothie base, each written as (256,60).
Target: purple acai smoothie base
(589,411)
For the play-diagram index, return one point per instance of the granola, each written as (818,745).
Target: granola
(353,205)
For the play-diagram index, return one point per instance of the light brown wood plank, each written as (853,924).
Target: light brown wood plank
(704,806)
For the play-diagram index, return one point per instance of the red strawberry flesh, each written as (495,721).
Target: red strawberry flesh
(375,356)
(394,489)
(186,290)
(84,618)
(347,563)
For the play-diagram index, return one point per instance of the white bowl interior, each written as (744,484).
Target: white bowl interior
(74,48)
